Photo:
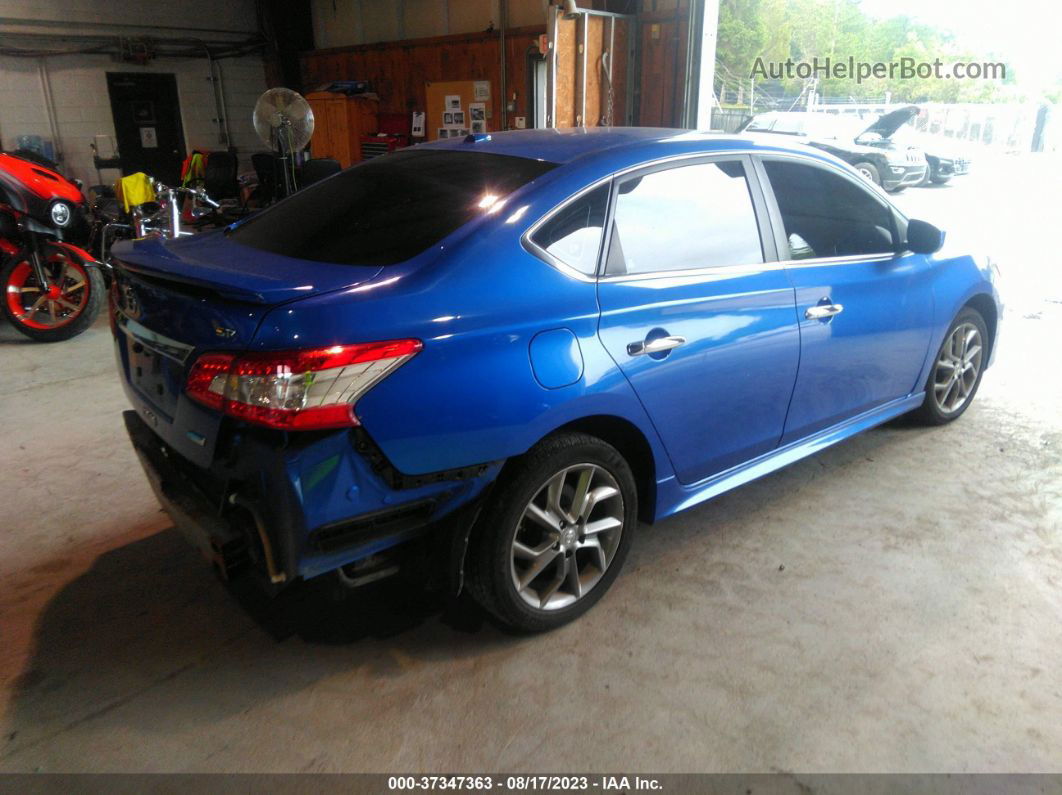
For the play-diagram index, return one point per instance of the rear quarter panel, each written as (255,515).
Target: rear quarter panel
(471,395)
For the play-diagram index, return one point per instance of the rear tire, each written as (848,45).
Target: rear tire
(82,288)
(536,561)
(956,371)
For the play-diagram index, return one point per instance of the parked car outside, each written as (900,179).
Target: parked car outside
(507,350)
(867,146)
(944,158)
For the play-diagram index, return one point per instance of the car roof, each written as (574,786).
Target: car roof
(569,144)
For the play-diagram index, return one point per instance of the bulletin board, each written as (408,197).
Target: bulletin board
(458,107)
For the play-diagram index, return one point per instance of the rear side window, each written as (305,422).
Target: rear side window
(573,234)
(827,215)
(695,216)
(389,209)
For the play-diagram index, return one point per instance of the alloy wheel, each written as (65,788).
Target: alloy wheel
(957,368)
(567,537)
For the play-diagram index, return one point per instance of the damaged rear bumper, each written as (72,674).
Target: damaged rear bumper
(248,516)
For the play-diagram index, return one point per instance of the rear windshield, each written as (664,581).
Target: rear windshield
(388,209)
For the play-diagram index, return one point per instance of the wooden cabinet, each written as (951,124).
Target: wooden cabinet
(338,123)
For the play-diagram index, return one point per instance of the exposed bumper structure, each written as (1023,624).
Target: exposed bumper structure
(253,517)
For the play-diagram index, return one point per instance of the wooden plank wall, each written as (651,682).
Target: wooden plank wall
(570,70)
(567,73)
(398,70)
(662,50)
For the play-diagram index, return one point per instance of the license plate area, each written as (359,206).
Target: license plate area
(156,364)
(148,373)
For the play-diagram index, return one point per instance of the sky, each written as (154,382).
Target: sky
(1023,32)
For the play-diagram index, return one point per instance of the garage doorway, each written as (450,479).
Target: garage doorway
(147,124)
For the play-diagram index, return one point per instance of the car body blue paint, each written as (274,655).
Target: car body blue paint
(556,359)
(757,387)
(849,366)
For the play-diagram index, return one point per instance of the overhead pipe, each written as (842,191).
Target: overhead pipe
(572,10)
(65,25)
(90,44)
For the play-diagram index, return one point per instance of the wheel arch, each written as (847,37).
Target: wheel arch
(987,308)
(632,444)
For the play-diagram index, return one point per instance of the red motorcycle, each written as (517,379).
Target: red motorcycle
(53,288)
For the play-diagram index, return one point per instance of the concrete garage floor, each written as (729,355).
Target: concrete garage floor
(892,604)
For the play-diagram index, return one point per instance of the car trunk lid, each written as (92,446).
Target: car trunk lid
(174,302)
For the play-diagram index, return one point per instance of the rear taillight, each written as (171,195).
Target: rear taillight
(296,390)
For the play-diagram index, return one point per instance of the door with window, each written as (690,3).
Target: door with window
(704,331)
(863,305)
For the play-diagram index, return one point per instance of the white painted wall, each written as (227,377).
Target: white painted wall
(79,83)
(342,23)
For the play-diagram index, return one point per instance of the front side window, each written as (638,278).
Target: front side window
(695,216)
(389,209)
(827,215)
(573,234)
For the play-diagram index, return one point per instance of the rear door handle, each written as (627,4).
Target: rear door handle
(823,311)
(658,345)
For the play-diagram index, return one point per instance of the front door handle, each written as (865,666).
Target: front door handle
(658,345)
(823,311)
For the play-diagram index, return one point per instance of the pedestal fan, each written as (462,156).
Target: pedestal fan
(284,122)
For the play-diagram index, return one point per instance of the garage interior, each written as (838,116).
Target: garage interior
(891,604)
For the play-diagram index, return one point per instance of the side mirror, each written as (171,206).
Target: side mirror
(923,237)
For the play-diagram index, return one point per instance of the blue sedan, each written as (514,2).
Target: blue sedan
(498,354)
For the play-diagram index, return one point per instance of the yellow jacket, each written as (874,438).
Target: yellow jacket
(135,189)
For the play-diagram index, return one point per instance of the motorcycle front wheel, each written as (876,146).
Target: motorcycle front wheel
(63,307)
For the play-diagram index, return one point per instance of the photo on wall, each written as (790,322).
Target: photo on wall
(448,118)
(479,126)
(459,117)
(444,132)
(477,111)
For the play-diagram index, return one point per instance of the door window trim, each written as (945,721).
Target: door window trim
(559,264)
(768,247)
(782,241)
(771,218)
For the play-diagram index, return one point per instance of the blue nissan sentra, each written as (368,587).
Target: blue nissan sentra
(499,354)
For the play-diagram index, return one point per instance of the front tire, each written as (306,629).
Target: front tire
(868,170)
(63,308)
(554,534)
(957,370)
